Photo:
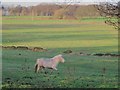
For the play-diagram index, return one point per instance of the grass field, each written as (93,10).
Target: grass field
(85,35)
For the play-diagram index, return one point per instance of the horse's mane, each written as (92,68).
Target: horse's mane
(56,57)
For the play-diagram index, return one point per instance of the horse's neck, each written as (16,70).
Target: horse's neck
(56,60)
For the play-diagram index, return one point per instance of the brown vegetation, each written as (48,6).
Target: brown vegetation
(94,54)
(36,49)
(58,11)
(110,11)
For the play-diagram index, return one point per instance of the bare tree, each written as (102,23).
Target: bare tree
(111,12)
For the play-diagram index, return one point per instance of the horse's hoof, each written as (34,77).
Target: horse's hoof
(45,72)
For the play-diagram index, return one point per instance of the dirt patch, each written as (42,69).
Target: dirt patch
(36,49)
(67,51)
(22,47)
(106,54)
(95,54)
(9,47)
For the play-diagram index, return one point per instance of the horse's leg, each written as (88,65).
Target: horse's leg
(38,68)
(41,68)
(51,71)
(54,67)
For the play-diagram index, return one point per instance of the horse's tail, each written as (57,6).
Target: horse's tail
(36,67)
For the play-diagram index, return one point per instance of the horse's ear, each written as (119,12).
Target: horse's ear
(60,55)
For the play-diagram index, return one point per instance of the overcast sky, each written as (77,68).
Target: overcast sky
(32,2)
(57,0)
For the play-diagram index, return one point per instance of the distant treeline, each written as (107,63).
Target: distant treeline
(58,11)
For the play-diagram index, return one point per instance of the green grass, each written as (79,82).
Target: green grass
(59,34)
(85,35)
(77,71)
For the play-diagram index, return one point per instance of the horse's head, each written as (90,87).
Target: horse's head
(59,58)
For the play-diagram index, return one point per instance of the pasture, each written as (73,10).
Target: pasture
(80,36)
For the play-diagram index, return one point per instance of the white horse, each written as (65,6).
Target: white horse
(50,63)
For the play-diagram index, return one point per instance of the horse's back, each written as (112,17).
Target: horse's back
(40,60)
(46,62)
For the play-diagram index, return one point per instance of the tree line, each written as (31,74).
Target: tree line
(64,11)
(58,11)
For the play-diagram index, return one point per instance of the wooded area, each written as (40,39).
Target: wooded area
(67,11)
(58,11)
